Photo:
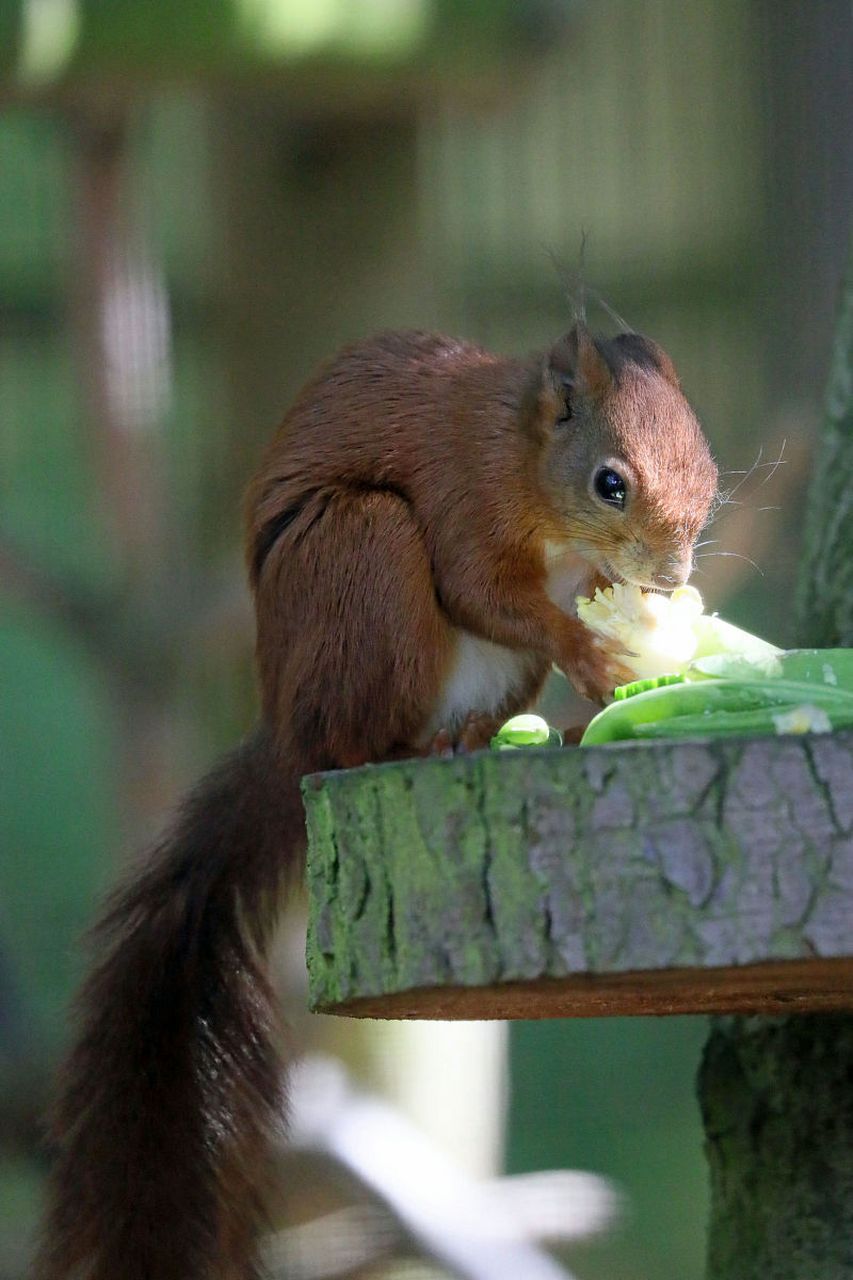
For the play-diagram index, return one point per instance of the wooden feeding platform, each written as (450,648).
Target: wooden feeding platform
(704,877)
(654,878)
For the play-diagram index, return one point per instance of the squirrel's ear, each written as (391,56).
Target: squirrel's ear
(665,366)
(577,362)
(647,354)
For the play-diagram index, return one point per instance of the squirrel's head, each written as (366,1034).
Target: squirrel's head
(624,461)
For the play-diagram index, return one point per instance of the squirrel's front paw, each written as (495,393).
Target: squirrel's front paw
(476,731)
(595,669)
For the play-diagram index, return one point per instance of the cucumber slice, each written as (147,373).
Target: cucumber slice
(705,699)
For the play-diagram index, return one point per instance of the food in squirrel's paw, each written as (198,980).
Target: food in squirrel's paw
(655,632)
(664,635)
(700,676)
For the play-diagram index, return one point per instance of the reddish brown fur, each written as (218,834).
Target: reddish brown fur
(408,511)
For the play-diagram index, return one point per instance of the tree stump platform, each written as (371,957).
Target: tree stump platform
(706,877)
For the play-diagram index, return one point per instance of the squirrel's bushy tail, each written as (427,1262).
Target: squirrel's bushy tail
(173,1088)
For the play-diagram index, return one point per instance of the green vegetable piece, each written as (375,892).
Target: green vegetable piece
(522,731)
(735,666)
(642,686)
(715,636)
(763,720)
(819,666)
(833,667)
(658,709)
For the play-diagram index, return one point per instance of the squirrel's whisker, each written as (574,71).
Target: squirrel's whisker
(736,555)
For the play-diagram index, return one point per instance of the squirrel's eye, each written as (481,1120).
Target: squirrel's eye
(610,487)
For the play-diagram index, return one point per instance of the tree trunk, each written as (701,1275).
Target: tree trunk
(777,1102)
(777,1093)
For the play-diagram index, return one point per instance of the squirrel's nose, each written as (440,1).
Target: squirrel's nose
(678,571)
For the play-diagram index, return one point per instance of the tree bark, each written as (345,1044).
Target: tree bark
(777,1103)
(825,599)
(777,1094)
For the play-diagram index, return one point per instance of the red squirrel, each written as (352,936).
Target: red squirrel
(416,535)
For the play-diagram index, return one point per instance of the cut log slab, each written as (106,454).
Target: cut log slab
(712,876)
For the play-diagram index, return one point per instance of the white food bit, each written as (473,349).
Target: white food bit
(829,676)
(655,631)
(802,719)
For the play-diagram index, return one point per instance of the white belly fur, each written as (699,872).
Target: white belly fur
(483,674)
(481,677)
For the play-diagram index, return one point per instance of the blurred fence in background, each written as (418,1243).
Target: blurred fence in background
(180,243)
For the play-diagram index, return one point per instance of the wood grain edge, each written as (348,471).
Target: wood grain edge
(782,986)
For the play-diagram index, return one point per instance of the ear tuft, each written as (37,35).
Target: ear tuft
(577,362)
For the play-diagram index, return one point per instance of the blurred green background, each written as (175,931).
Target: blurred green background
(197,202)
